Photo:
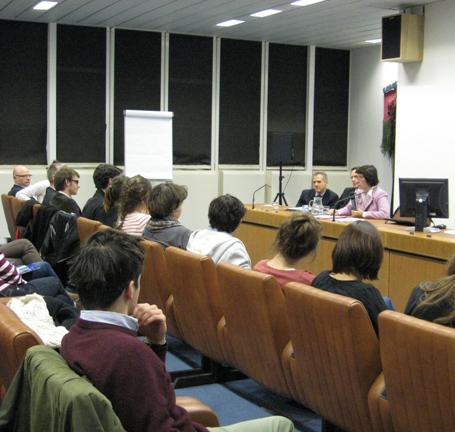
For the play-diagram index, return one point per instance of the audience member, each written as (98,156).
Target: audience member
(94,208)
(133,205)
(357,256)
(296,240)
(44,190)
(112,198)
(166,202)
(66,182)
(12,284)
(22,178)
(131,374)
(371,202)
(225,214)
(435,301)
(349,191)
(20,252)
(320,182)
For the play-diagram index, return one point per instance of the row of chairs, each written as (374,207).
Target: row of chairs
(315,347)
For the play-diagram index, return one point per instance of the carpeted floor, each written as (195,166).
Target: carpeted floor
(238,400)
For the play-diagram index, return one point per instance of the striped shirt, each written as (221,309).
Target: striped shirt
(8,274)
(134,223)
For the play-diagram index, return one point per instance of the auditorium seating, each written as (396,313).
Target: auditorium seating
(86,227)
(418,358)
(197,303)
(16,338)
(337,355)
(257,326)
(10,219)
(156,285)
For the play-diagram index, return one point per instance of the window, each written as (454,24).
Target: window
(23,92)
(240,96)
(81,94)
(331,103)
(286,113)
(190,98)
(136,79)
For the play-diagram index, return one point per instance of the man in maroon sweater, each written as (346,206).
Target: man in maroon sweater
(103,345)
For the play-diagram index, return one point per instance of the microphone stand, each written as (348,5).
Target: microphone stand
(254,193)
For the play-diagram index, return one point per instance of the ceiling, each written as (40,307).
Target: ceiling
(340,24)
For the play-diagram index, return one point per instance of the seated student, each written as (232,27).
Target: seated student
(435,301)
(296,239)
(22,178)
(112,198)
(320,182)
(371,202)
(165,206)
(103,345)
(44,190)
(349,191)
(133,205)
(94,207)
(225,214)
(66,182)
(12,284)
(357,255)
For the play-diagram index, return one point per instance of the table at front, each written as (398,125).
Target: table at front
(409,258)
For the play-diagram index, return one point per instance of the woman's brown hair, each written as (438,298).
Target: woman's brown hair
(358,251)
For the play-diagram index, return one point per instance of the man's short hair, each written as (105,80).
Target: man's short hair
(53,168)
(358,251)
(104,266)
(165,198)
(62,175)
(225,213)
(102,174)
(324,175)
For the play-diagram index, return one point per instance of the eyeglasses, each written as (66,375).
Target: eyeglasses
(75,181)
(24,175)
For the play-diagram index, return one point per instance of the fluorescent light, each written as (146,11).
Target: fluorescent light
(305,2)
(373,41)
(230,23)
(45,5)
(265,13)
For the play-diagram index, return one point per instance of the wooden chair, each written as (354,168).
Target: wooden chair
(15,339)
(86,227)
(197,303)
(337,355)
(418,358)
(10,220)
(257,326)
(156,285)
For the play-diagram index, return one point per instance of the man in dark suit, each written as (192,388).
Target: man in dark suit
(349,190)
(66,183)
(94,208)
(21,177)
(320,182)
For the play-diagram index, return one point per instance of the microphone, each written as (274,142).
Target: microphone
(254,193)
(350,197)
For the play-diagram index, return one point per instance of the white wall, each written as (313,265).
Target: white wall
(426,94)
(368,78)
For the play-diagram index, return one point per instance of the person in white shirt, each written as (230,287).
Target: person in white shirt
(217,242)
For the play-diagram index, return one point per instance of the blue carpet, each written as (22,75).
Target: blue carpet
(238,400)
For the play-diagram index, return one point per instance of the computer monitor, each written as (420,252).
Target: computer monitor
(422,198)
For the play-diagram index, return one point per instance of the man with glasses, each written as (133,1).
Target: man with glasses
(66,183)
(22,178)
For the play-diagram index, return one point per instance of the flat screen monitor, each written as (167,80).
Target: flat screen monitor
(422,198)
